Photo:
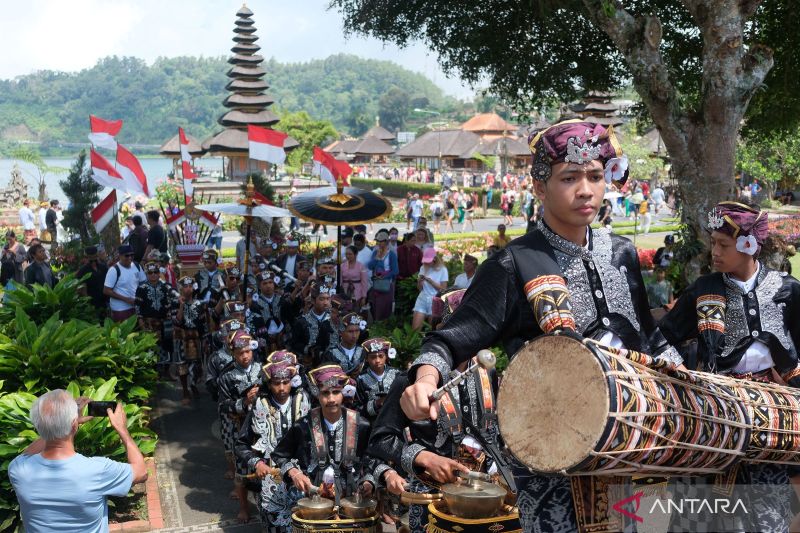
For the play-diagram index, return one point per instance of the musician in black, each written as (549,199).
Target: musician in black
(191,325)
(373,382)
(238,391)
(209,279)
(312,331)
(328,448)
(276,410)
(347,353)
(156,301)
(562,275)
(266,312)
(232,292)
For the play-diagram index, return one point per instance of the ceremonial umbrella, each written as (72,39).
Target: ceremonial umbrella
(340,205)
(248,207)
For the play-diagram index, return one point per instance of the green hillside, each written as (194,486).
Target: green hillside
(153,100)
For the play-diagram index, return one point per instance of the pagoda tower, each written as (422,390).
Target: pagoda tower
(247,102)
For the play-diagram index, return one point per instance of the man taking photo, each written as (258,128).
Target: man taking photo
(59,489)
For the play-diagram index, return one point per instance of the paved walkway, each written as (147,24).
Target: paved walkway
(194,494)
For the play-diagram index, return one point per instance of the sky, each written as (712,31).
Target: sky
(69,35)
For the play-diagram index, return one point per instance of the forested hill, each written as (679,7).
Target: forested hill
(154,100)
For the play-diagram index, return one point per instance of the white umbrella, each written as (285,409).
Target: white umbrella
(248,207)
(269,211)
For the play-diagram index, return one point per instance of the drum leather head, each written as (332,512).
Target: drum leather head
(553,403)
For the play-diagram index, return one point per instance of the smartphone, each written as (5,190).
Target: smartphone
(99,408)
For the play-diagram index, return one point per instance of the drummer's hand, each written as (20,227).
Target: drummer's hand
(415,400)
(300,480)
(252,394)
(441,469)
(682,368)
(366,489)
(394,482)
(262,470)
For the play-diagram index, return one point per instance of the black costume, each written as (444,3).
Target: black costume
(154,307)
(352,363)
(370,387)
(97,271)
(262,430)
(466,431)
(265,319)
(311,336)
(349,465)
(233,387)
(541,283)
(209,282)
(743,334)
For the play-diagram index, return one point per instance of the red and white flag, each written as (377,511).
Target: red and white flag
(324,165)
(342,169)
(105,212)
(176,220)
(208,219)
(104,173)
(186,166)
(103,132)
(131,171)
(261,199)
(266,144)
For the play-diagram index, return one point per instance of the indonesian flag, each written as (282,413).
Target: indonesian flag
(208,219)
(261,199)
(176,220)
(266,144)
(105,212)
(131,171)
(324,165)
(103,132)
(342,169)
(186,166)
(104,173)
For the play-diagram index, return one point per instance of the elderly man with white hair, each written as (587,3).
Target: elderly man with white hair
(59,489)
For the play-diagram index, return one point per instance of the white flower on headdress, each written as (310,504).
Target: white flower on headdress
(362,325)
(297,380)
(219,261)
(194,285)
(747,244)
(616,168)
(254,345)
(255,297)
(277,280)
(162,270)
(392,353)
(348,391)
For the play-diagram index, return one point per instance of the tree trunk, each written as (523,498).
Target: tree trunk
(701,142)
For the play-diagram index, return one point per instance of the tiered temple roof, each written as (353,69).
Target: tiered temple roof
(247,103)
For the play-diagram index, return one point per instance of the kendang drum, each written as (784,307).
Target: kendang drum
(573,406)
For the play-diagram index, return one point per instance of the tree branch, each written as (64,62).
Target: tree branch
(638,40)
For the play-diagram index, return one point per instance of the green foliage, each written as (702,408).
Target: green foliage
(643,166)
(170,190)
(261,184)
(94,438)
(489,161)
(155,100)
(393,109)
(773,159)
(404,339)
(32,156)
(36,358)
(40,302)
(308,132)
(83,193)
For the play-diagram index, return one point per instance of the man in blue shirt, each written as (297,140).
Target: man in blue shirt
(59,489)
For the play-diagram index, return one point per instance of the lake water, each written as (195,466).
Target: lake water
(156,170)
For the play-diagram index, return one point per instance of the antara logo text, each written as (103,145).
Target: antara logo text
(681,505)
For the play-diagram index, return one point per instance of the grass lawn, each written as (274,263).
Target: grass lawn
(795,261)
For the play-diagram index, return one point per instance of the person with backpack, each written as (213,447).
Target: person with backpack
(138,238)
(121,283)
(437,212)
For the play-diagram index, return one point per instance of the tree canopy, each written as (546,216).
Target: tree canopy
(154,100)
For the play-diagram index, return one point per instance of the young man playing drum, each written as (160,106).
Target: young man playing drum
(263,427)
(562,275)
(746,319)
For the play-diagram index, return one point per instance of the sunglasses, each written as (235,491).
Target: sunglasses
(151,273)
(127,255)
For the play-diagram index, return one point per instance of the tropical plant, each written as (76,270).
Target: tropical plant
(83,193)
(40,302)
(33,157)
(36,358)
(94,438)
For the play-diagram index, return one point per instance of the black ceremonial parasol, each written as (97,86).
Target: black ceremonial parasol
(342,206)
